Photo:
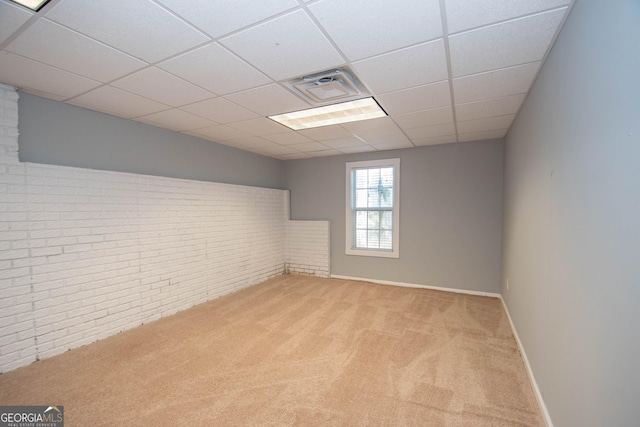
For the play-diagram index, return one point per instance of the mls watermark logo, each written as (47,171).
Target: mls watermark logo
(31,416)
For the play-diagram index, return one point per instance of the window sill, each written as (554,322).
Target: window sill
(373,253)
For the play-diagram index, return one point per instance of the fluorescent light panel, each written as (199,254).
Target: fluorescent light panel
(32,4)
(344,112)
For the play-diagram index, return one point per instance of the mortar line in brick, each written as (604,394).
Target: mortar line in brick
(31,288)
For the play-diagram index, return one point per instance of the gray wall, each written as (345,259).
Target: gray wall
(450,214)
(572,219)
(451,195)
(56,133)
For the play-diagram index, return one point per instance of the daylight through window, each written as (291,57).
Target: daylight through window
(372,208)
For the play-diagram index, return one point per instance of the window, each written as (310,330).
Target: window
(373,210)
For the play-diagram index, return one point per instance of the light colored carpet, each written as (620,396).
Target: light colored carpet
(297,351)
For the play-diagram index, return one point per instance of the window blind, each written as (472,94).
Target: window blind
(372,208)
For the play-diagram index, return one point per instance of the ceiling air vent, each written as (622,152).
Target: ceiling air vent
(328,87)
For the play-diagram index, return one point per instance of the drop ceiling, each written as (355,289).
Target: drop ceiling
(445,71)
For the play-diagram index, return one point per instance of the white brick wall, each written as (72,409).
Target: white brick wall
(17,332)
(307,248)
(85,254)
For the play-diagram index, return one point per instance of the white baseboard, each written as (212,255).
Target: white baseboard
(412,285)
(532,378)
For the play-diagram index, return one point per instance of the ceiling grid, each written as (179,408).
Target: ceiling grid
(445,71)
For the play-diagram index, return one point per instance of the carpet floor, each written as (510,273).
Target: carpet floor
(297,350)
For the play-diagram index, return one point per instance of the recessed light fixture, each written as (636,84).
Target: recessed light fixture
(34,5)
(344,112)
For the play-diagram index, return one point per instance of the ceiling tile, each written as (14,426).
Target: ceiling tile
(22,72)
(435,140)
(220,110)
(268,100)
(511,43)
(161,86)
(394,145)
(343,142)
(479,136)
(141,28)
(485,124)
(285,47)
(176,120)
(494,84)
(379,124)
(437,116)
(288,138)
(358,149)
(384,138)
(326,132)
(11,18)
(466,14)
(118,102)
(260,126)
(416,99)
(306,147)
(219,17)
(493,107)
(55,45)
(216,69)
(220,133)
(432,131)
(377,131)
(405,68)
(375,27)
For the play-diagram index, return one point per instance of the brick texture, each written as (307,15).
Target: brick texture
(86,254)
(307,248)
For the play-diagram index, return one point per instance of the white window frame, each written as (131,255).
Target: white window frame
(349,226)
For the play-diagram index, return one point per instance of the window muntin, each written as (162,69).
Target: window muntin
(372,208)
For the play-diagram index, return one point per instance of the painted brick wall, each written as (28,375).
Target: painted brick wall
(85,254)
(307,248)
